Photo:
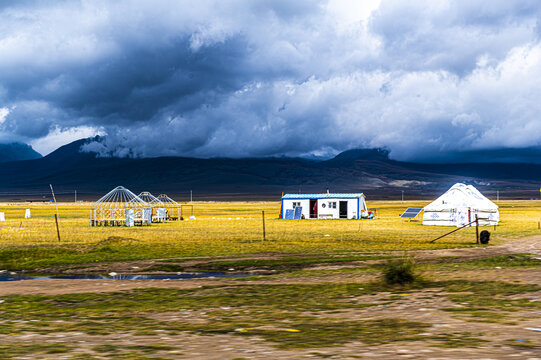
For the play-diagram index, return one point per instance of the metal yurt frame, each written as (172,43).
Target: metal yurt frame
(174,209)
(159,210)
(120,207)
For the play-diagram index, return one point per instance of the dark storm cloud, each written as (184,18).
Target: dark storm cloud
(245,78)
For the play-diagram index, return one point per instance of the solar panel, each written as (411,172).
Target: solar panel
(411,213)
(298,213)
(289,214)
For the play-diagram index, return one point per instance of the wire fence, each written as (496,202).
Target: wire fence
(215,226)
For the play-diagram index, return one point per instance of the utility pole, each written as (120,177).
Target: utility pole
(191,196)
(497,195)
(402,196)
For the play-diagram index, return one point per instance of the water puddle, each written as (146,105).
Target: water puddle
(203,275)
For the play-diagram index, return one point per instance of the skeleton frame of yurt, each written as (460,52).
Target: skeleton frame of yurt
(111,209)
(174,209)
(156,204)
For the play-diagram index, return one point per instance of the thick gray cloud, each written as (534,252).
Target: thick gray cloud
(263,78)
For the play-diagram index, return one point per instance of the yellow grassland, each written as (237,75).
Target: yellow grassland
(223,228)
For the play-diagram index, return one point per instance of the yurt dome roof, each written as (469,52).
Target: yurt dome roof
(150,199)
(119,198)
(167,200)
(461,195)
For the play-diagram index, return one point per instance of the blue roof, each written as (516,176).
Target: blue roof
(324,196)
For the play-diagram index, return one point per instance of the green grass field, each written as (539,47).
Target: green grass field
(229,228)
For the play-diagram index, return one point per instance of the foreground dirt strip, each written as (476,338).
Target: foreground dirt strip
(219,347)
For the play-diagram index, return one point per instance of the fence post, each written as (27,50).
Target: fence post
(57,230)
(477,228)
(263,216)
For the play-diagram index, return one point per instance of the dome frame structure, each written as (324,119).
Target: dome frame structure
(120,207)
(159,211)
(174,209)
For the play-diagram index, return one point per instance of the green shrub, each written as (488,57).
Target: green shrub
(400,271)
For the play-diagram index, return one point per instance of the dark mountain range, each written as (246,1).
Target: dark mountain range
(17,152)
(370,171)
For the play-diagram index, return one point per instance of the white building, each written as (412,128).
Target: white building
(325,205)
(459,206)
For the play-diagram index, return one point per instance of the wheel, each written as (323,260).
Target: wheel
(484,237)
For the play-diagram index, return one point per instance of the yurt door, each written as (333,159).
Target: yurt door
(462,216)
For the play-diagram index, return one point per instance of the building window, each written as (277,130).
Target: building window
(332,205)
(295,204)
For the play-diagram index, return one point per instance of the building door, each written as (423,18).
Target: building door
(343,209)
(313,209)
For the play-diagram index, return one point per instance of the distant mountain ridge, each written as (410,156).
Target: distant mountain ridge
(359,170)
(17,152)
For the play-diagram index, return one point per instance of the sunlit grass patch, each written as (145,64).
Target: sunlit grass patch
(222,229)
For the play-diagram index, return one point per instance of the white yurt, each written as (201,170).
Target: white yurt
(459,206)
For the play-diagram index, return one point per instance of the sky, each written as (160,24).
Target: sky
(240,78)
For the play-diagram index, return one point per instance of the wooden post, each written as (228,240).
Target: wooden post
(263,216)
(57,230)
(477,228)
(54,198)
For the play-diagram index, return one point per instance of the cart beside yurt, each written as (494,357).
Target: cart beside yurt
(158,207)
(459,206)
(120,207)
(174,209)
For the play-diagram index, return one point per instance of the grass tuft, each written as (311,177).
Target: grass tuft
(399,272)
